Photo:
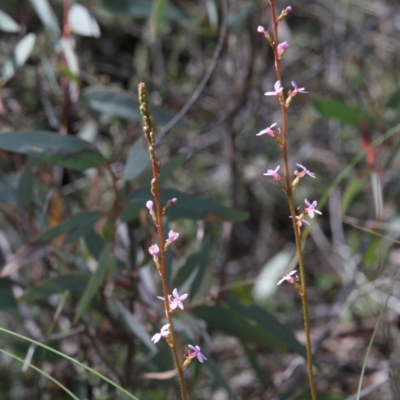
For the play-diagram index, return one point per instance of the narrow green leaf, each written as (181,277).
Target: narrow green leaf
(187,206)
(72,225)
(203,262)
(82,22)
(158,12)
(186,270)
(7,300)
(131,323)
(7,24)
(25,187)
(75,282)
(235,323)
(219,378)
(95,243)
(123,105)
(334,109)
(106,263)
(47,16)
(143,8)
(394,100)
(65,151)
(21,53)
(262,377)
(351,191)
(138,160)
(265,320)
(169,168)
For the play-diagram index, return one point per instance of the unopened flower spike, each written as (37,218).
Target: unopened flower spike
(196,353)
(278,90)
(289,278)
(172,236)
(163,333)
(310,209)
(282,47)
(273,173)
(269,131)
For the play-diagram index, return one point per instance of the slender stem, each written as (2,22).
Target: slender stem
(289,193)
(149,134)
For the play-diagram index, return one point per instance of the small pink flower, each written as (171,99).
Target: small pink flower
(278,90)
(172,236)
(304,172)
(273,173)
(282,47)
(163,333)
(288,10)
(288,278)
(296,89)
(310,209)
(175,300)
(300,221)
(196,353)
(149,205)
(269,131)
(261,30)
(154,250)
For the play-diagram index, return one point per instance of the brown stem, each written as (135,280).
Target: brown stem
(289,193)
(149,134)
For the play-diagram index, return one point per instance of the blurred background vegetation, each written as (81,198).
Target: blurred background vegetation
(75,177)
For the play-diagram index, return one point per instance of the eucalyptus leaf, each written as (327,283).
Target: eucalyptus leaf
(7,24)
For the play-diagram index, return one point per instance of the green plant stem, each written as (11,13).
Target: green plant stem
(149,134)
(289,193)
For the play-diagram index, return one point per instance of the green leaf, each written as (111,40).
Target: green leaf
(21,53)
(169,168)
(131,323)
(25,186)
(265,320)
(216,374)
(47,16)
(95,243)
(7,24)
(7,300)
(187,206)
(123,105)
(82,22)
(334,109)
(271,272)
(65,151)
(137,162)
(75,282)
(84,219)
(143,8)
(235,323)
(186,270)
(106,264)
(263,379)
(204,256)
(394,100)
(352,189)
(158,12)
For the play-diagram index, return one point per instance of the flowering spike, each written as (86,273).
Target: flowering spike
(310,209)
(269,131)
(274,173)
(196,353)
(278,90)
(163,333)
(288,278)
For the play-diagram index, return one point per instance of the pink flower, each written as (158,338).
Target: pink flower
(261,30)
(163,333)
(282,47)
(172,236)
(273,173)
(154,250)
(310,209)
(296,89)
(300,221)
(288,278)
(304,172)
(278,90)
(173,200)
(175,300)
(268,131)
(288,10)
(149,205)
(196,353)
